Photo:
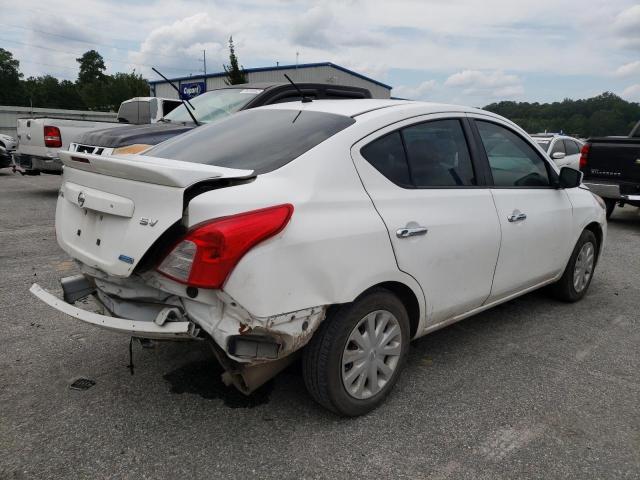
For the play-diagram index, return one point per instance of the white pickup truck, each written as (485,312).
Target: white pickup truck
(39,139)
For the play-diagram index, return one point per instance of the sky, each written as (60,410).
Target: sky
(457,51)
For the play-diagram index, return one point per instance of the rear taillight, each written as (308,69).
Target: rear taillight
(584,154)
(208,253)
(52,138)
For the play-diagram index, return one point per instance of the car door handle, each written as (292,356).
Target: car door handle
(517,216)
(407,232)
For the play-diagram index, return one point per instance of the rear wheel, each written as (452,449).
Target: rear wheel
(577,275)
(354,359)
(611,204)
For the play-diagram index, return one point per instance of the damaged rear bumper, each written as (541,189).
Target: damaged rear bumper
(144,329)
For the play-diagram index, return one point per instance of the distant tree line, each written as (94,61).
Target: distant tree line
(605,114)
(93,89)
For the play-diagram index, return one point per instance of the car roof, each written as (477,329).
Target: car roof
(353,108)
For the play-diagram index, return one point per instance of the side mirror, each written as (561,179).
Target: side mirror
(570,177)
(558,155)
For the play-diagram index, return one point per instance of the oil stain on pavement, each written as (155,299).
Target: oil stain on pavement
(202,378)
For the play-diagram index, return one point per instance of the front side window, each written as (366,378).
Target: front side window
(438,154)
(513,162)
(571,147)
(558,147)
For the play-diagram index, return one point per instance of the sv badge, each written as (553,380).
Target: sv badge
(148,221)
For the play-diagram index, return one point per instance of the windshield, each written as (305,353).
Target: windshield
(258,140)
(543,143)
(213,105)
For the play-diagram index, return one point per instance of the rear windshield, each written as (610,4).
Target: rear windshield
(134,112)
(259,140)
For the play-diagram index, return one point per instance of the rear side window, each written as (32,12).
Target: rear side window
(386,154)
(513,162)
(438,154)
(259,140)
(134,112)
(571,147)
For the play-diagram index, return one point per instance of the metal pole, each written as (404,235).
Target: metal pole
(204,60)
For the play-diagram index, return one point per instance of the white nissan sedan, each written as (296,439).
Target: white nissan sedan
(337,230)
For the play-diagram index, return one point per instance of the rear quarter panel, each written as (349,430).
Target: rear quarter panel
(334,248)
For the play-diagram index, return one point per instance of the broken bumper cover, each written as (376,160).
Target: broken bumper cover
(167,331)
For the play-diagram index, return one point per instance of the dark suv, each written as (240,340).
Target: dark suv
(208,107)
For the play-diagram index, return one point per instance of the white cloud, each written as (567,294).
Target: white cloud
(632,93)
(322,29)
(628,69)
(627,27)
(407,40)
(418,92)
(486,83)
(181,43)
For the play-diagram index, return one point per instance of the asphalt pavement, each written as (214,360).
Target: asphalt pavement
(534,388)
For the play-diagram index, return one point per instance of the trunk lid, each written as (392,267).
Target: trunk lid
(111,210)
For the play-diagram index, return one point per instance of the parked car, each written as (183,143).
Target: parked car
(41,138)
(208,107)
(5,158)
(563,150)
(7,147)
(8,142)
(337,229)
(611,167)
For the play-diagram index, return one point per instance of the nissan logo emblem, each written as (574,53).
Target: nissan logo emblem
(81,198)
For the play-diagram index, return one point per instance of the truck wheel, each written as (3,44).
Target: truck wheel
(577,275)
(354,359)
(611,204)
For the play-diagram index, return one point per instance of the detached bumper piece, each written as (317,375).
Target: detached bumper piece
(167,331)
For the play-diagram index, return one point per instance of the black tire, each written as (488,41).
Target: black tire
(611,204)
(564,288)
(322,357)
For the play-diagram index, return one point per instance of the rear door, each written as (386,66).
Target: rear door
(440,217)
(535,216)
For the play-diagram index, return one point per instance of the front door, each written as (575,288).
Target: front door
(441,221)
(535,215)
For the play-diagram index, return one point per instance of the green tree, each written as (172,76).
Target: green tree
(91,67)
(123,86)
(11,90)
(235,72)
(92,81)
(604,114)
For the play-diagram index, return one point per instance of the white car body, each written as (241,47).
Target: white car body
(561,149)
(8,142)
(345,236)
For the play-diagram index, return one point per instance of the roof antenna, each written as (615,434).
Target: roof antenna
(180,97)
(304,98)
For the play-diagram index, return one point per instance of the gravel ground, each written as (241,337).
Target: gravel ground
(531,389)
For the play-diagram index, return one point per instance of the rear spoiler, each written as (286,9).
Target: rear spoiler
(142,168)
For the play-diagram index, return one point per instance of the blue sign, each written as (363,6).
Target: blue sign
(193,89)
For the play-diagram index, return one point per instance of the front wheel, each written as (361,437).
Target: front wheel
(354,359)
(575,280)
